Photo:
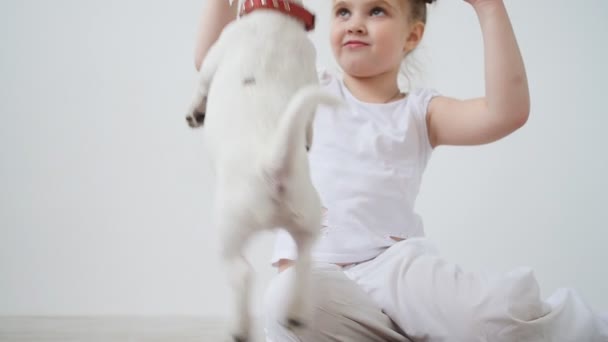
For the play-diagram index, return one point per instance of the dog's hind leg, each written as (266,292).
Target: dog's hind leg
(298,306)
(240,275)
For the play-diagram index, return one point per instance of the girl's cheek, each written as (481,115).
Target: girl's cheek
(335,39)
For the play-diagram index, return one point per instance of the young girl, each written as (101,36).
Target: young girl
(376,277)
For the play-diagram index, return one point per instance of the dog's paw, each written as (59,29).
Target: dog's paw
(196,114)
(239,333)
(238,338)
(196,119)
(294,323)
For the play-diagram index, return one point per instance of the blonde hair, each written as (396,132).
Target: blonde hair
(418,9)
(409,65)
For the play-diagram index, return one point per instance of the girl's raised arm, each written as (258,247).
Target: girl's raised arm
(506,104)
(216,15)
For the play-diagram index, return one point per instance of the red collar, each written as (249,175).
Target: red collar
(283,6)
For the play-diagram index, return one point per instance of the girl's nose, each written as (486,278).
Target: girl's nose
(356,26)
(357,30)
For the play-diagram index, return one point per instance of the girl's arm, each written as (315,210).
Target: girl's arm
(506,104)
(216,15)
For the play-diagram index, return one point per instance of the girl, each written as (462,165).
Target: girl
(376,277)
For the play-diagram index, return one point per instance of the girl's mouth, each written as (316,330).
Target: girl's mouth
(355,44)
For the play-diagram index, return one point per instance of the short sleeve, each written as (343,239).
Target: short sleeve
(421,99)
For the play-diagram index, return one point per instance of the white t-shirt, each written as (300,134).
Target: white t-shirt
(366,162)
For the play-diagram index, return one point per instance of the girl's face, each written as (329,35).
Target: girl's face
(371,37)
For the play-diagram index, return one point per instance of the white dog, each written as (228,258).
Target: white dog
(257,94)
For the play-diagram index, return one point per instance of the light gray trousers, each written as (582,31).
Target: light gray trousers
(411,291)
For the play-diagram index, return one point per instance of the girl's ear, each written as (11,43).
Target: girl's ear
(414,37)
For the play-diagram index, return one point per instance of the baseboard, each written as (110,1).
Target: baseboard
(115,329)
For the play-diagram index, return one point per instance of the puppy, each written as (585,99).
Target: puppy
(257,93)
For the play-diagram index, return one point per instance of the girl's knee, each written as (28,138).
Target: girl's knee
(509,311)
(523,301)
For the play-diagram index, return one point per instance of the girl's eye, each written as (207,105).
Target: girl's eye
(376,11)
(342,12)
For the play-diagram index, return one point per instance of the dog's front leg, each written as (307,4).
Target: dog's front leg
(198,107)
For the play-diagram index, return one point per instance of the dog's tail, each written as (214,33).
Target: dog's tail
(292,129)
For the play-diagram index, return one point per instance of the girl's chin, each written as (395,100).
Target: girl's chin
(363,69)
(359,71)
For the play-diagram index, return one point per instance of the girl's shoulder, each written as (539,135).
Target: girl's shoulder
(421,97)
(417,99)
(423,94)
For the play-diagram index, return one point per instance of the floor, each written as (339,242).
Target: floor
(114,329)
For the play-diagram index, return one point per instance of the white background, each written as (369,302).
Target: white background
(105,192)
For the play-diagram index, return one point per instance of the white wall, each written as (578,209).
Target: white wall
(105,192)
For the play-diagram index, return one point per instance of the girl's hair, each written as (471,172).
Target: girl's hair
(409,66)
(418,9)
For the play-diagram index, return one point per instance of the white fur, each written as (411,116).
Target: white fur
(261,84)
